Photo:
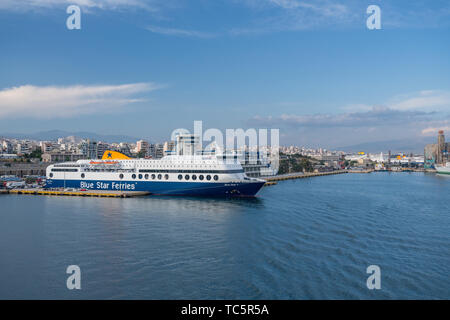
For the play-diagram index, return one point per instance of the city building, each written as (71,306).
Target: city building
(437,153)
(169,147)
(57,156)
(101,148)
(47,146)
(159,151)
(125,149)
(142,147)
(89,149)
(24,147)
(7,147)
(188,144)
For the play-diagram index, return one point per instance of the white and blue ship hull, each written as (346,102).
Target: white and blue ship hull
(212,189)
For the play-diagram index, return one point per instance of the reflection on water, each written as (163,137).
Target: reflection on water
(308,238)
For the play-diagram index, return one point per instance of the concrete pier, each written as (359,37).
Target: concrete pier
(88,193)
(360,171)
(301,175)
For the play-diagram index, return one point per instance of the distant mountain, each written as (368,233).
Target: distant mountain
(55,134)
(405,145)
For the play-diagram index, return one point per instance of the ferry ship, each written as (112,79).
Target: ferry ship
(191,175)
(443,169)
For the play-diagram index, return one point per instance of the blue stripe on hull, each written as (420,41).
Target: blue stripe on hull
(163,188)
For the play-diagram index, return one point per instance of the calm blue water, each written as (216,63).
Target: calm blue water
(301,239)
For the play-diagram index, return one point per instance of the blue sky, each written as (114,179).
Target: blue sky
(310,68)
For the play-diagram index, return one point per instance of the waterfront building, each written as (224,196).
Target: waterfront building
(125,148)
(7,147)
(169,147)
(24,147)
(152,150)
(101,148)
(89,149)
(441,147)
(47,146)
(8,156)
(437,153)
(58,156)
(142,146)
(159,151)
(188,144)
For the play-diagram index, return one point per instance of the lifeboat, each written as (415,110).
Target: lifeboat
(103,162)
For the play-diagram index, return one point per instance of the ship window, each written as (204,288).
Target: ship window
(82,175)
(180,177)
(166,176)
(140,176)
(201,177)
(216,177)
(133,176)
(186,177)
(153,176)
(121,176)
(208,177)
(146,177)
(194,177)
(159,176)
(51,175)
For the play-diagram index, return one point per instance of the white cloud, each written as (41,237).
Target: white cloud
(325,8)
(424,100)
(432,131)
(68,101)
(295,15)
(377,116)
(28,5)
(298,15)
(412,116)
(179,32)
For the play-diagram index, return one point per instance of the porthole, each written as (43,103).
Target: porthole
(140,176)
(82,175)
(146,177)
(153,176)
(166,176)
(180,177)
(216,177)
(133,176)
(186,177)
(159,176)
(208,177)
(51,175)
(201,177)
(194,177)
(121,176)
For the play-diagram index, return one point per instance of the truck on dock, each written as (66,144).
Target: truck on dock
(15,185)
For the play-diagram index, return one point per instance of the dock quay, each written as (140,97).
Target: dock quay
(360,171)
(3,191)
(301,175)
(88,193)
(270,183)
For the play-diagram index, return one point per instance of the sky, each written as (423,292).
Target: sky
(311,69)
